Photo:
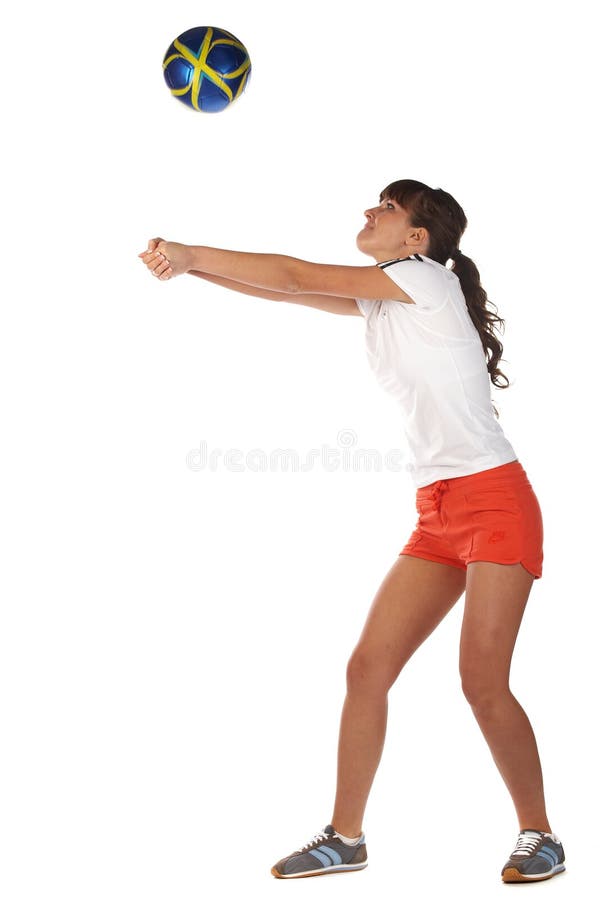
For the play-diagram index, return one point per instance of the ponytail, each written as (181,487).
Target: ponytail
(485,321)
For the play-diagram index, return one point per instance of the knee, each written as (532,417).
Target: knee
(482,686)
(368,672)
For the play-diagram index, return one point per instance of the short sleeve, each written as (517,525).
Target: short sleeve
(424,283)
(368,308)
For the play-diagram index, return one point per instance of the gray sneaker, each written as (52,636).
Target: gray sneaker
(537,856)
(324,854)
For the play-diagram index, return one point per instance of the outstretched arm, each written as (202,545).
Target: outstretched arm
(274,272)
(159,266)
(342,306)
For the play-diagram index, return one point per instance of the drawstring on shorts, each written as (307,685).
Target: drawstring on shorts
(436,495)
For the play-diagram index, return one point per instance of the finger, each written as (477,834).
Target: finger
(166,275)
(162,267)
(154,261)
(153,264)
(153,244)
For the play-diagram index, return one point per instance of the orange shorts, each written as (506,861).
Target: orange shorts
(492,515)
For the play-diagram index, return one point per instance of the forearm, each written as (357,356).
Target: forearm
(341,305)
(268,271)
(240,286)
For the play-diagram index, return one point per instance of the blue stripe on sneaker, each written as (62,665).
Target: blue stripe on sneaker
(548,854)
(336,859)
(321,857)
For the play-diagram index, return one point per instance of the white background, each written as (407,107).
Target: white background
(173,642)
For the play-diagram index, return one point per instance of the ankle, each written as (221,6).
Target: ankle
(352,832)
(539,827)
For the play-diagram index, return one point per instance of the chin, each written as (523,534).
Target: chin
(363,245)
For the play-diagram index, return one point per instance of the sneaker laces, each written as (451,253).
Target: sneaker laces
(527,843)
(321,835)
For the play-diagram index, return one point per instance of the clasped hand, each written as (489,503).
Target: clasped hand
(166,259)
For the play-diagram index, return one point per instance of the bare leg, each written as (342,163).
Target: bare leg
(412,600)
(495,601)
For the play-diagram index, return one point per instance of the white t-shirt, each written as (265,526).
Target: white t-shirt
(429,356)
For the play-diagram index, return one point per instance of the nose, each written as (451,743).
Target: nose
(369,213)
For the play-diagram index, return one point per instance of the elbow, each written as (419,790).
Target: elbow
(293,281)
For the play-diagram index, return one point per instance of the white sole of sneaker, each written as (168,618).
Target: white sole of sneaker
(325,871)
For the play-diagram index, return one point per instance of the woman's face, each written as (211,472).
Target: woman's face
(387,233)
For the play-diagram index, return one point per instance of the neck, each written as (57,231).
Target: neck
(381,256)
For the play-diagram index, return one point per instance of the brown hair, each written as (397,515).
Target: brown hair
(445,221)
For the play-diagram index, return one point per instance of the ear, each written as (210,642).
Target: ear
(418,236)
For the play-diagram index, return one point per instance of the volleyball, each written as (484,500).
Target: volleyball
(206,68)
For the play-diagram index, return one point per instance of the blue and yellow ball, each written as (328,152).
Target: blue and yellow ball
(206,68)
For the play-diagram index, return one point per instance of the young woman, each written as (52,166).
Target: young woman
(431,343)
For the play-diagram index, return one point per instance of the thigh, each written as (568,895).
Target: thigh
(411,601)
(495,600)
